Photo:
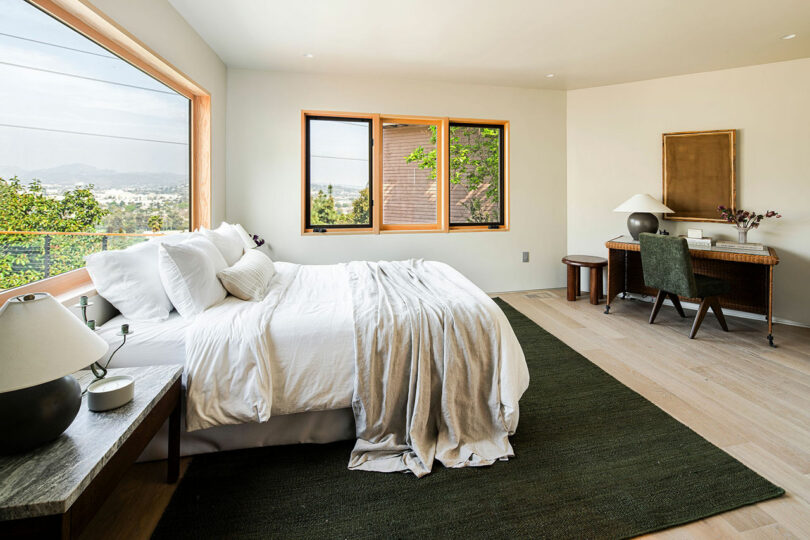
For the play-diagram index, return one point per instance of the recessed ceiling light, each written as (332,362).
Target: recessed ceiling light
(550,75)
(308,55)
(789,36)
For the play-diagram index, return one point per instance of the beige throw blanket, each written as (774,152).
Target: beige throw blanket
(430,379)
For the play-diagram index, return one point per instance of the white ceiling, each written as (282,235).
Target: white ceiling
(507,42)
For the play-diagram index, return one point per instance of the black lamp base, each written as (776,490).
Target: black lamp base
(33,416)
(640,222)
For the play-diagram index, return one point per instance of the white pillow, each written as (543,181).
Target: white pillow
(249,279)
(228,241)
(247,240)
(188,272)
(130,281)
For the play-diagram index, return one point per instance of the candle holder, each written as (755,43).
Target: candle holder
(100,371)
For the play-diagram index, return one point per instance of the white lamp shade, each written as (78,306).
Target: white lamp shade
(41,340)
(642,202)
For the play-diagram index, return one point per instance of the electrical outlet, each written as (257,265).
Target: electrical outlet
(525,256)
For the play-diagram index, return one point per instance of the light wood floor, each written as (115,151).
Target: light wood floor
(751,400)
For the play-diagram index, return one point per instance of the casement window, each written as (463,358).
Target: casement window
(476,174)
(102,144)
(372,173)
(339,175)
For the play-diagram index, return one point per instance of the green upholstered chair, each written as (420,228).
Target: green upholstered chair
(667,267)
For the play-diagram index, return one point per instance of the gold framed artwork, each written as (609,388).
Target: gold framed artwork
(699,173)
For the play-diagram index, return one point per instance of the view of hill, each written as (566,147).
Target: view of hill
(80,173)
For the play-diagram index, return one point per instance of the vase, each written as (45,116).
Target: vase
(742,235)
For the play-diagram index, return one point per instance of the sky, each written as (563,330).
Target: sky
(136,107)
(339,152)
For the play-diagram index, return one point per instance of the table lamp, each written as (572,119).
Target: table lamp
(41,343)
(642,220)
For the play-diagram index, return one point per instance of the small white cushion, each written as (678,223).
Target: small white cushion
(250,277)
(228,240)
(188,272)
(130,281)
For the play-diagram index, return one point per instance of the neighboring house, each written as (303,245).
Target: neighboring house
(409,194)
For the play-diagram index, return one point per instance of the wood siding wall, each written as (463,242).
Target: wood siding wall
(409,194)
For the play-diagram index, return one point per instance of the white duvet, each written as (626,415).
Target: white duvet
(238,373)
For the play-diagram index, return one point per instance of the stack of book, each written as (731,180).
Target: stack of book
(702,242)
(736,245)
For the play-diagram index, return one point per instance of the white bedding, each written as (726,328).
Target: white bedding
(311,337)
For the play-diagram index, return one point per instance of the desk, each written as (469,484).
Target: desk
(750,275)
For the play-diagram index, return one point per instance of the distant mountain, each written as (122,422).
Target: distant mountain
(81,173)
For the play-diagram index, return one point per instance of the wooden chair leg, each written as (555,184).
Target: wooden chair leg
(704,307)
(573,273)
(718,312)
(677,303)
(659,301)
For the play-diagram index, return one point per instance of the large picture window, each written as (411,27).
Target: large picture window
(95,153)
(381,173)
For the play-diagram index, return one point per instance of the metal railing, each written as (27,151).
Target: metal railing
(27,256)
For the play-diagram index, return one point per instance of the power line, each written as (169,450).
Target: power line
(338,157)
(111,57)
(89,78)
(92,134)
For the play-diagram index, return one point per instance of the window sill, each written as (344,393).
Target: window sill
(339,232)
(474,228)
(64,287)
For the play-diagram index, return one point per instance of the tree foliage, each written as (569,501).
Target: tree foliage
(474,165)
(323,211)
(28,208)
(155,222)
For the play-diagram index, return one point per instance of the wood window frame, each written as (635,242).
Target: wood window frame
(306,227)
(442,174)
(441,164)
(87,20)
(503,224)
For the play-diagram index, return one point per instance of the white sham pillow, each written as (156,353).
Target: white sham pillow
(129,279)
(249,279)
(247,240)
(188,271)
(228,241)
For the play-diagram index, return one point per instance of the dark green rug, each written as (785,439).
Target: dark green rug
(593,460)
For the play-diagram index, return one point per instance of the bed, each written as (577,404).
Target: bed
(407,357)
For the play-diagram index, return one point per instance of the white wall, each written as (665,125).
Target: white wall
(162,29)
(614,151)
(264,172)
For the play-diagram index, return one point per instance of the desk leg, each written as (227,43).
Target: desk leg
(173,464)
(616,272)
(770,303)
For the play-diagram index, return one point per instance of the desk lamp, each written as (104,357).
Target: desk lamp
(642,220)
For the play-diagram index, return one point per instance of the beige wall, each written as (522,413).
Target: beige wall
(162,29)
(614,151)
(264,172)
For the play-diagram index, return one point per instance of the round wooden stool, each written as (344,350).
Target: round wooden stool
(574,263)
